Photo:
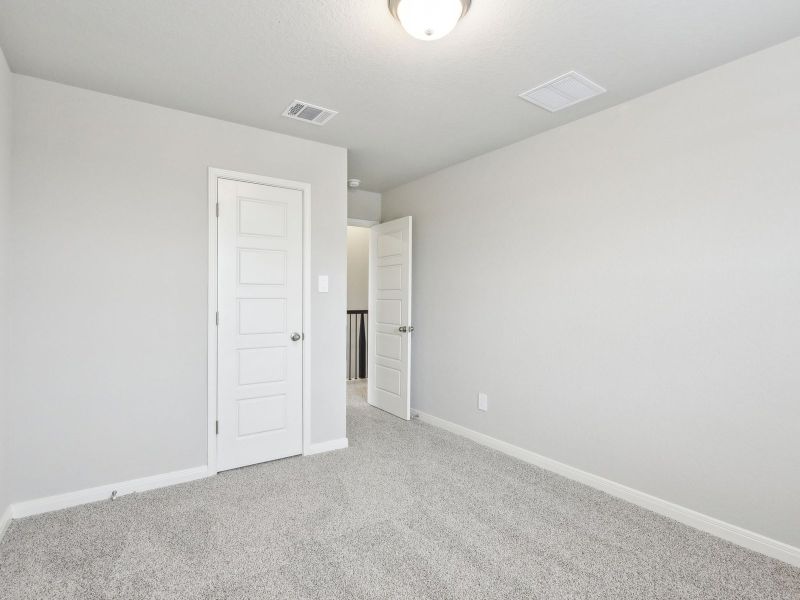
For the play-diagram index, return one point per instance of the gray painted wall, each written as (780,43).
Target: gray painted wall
(357,268)
(363,205)
(5,200)
(626,289)
(110,271)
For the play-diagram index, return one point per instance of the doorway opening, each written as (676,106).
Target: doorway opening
(358,233)
(379,312)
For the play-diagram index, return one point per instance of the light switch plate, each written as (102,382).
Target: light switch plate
(323,284)
(483,402)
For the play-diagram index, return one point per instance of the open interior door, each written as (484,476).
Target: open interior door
(389,379)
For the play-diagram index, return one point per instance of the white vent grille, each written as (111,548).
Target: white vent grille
(563,91)
(310,113)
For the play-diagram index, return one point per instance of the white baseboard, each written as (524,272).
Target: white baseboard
(5,521)
(339,444)
(732,533)
(103,492)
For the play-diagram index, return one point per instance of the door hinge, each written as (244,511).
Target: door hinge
(217,318)
(218,210)
(217,427)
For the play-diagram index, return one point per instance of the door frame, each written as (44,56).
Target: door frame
(361,223)
(213,271)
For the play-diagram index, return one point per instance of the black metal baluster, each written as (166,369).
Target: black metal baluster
(362,346)
(355,346)
(349,347)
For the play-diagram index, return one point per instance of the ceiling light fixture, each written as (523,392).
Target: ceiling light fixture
(429,19)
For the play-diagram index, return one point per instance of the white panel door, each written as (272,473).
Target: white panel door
(389,379)
(260,299)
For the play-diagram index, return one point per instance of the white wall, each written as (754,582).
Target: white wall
(357,268)
(363,205)
(5,199)
(626,289)
(110,270)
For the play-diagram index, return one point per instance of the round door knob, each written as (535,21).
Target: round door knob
(296,336)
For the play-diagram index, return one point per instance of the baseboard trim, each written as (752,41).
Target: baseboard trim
(103,492)
(328,446)
(732,533)
(5,521)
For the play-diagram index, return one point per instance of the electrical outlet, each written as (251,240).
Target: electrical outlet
(483,402)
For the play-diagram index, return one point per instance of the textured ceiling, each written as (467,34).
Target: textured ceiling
(406,108)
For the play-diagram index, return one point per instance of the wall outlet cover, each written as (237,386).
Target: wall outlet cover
(483,401)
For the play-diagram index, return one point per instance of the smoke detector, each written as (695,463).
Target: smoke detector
(562,92)
(310,113)
(353,183)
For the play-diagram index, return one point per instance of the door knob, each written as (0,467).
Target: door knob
(296,336)
(404,329)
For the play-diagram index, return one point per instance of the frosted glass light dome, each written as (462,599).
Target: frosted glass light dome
(429,19)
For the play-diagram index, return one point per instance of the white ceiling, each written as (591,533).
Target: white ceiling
(406,108)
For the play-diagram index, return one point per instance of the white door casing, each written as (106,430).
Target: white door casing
(389,348)
(260,304)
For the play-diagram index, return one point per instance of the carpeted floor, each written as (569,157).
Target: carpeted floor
(408,511)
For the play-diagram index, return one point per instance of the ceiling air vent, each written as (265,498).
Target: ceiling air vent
(563,91)
(310,113)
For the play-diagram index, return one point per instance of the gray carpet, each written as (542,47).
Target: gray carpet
(408,511)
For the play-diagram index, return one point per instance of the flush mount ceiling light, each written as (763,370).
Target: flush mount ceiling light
(429,19)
